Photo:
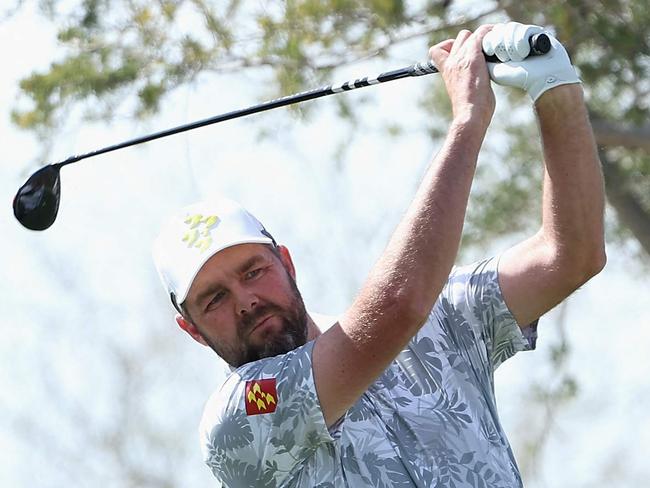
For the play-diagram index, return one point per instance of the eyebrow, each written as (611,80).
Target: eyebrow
(215,287)
(249,263)
(210,290)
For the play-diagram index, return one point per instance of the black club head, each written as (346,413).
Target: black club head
(37,201)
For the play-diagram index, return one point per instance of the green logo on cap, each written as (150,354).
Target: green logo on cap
(198,234)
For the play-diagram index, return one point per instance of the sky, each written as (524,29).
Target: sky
(82,306)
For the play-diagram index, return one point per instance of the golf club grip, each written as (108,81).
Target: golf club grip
(539,44)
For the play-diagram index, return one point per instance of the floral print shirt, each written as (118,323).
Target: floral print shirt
(430,419)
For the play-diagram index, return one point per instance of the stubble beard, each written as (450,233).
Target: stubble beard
(292,332)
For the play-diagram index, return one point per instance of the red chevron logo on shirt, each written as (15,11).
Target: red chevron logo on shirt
(260,396)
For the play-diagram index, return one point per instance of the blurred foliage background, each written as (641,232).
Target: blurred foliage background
(130,54)
(123,59)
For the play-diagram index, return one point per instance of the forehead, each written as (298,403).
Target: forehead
(226,263)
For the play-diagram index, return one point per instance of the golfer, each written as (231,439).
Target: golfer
(399,391)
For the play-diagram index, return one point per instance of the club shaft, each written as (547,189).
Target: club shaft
(417,69)
(539,44)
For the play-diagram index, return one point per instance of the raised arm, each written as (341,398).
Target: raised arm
(407,279)
(569,248)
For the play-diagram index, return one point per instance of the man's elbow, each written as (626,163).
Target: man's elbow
(413,309)
(577,263)
(588,264)
(596,263)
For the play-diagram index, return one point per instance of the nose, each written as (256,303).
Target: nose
(246,301)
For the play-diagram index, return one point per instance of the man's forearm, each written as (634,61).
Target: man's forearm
(423,248)
(405,282)
(573,202)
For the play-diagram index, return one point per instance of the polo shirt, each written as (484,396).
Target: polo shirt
(429,420)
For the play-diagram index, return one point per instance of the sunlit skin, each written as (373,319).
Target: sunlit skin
(244,304)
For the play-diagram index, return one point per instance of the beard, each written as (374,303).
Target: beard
(291,334)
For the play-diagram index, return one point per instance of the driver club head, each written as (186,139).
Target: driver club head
(37,202)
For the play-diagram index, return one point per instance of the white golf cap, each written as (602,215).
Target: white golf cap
(195,234)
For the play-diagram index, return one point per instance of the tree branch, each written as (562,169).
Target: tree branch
(609,134)
(628,207)
(347,58)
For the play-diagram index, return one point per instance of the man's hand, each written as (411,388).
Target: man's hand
(535,74)
(463,68)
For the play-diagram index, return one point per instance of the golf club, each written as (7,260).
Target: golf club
(36,203)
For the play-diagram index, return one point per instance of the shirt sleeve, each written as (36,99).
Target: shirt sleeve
(474,312)
(264,422)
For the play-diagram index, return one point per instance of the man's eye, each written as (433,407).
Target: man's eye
(253,273)
(217,298)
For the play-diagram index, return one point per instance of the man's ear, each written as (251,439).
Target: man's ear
(287,262)
(191,329)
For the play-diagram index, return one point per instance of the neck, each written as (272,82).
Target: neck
(312,329)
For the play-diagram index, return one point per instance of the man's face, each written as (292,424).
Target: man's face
(245,304)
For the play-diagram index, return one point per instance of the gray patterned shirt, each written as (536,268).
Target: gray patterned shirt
(429,420)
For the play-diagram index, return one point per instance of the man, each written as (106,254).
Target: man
(399,390)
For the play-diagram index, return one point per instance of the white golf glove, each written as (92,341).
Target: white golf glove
(535,74)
